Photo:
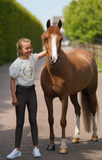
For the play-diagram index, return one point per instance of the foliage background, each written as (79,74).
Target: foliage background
(83,20)
(15,23)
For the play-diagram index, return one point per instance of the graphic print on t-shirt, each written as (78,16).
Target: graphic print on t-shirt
(27,72)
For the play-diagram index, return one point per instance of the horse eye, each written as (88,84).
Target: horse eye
(61,40)
(46,39)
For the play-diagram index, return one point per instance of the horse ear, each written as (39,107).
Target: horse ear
(60,24)
(48,24)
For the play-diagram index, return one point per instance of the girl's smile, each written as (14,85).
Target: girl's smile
(26,50)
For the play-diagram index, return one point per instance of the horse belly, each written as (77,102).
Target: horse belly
(81,81)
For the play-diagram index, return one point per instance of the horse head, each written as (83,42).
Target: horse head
(52,40)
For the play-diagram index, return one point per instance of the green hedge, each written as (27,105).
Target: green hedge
(15,23)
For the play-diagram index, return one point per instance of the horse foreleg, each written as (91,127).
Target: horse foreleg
(63,122)
(48,101)
(74,101)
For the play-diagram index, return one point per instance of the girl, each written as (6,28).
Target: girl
(22,74)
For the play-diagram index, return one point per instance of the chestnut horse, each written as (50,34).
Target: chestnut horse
(66,74)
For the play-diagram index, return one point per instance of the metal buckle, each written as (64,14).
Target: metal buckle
(26,88)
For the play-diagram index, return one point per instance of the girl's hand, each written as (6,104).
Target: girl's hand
(14,101)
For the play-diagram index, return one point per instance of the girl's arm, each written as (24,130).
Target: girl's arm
(12,86)
(42,54)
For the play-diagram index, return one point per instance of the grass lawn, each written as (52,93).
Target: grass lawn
(99,66)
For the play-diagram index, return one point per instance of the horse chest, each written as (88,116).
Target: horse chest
(59,85)
(57,89)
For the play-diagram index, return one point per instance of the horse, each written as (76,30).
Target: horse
(65,75)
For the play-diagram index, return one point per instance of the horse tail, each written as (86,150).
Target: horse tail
(86,108)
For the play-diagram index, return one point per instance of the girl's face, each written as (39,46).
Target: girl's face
(26,50)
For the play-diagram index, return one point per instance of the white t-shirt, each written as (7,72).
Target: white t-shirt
(23,70)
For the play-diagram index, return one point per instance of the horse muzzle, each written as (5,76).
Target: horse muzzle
(53,61)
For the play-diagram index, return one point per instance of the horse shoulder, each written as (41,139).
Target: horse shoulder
(46,83)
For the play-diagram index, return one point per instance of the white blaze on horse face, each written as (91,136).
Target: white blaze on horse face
(77,128)
(54,48)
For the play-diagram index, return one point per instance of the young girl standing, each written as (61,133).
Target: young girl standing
(22,74)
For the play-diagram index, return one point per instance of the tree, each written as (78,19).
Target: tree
(83,20)
(98,3)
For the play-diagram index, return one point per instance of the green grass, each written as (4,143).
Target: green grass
(99,66)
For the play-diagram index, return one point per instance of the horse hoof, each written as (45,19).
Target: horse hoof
(75,140)
(63,151)
(51,147)
(94,138)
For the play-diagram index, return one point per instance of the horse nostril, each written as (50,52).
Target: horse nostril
(52,62)
(50,58)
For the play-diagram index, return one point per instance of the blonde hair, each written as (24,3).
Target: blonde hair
(19,45)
